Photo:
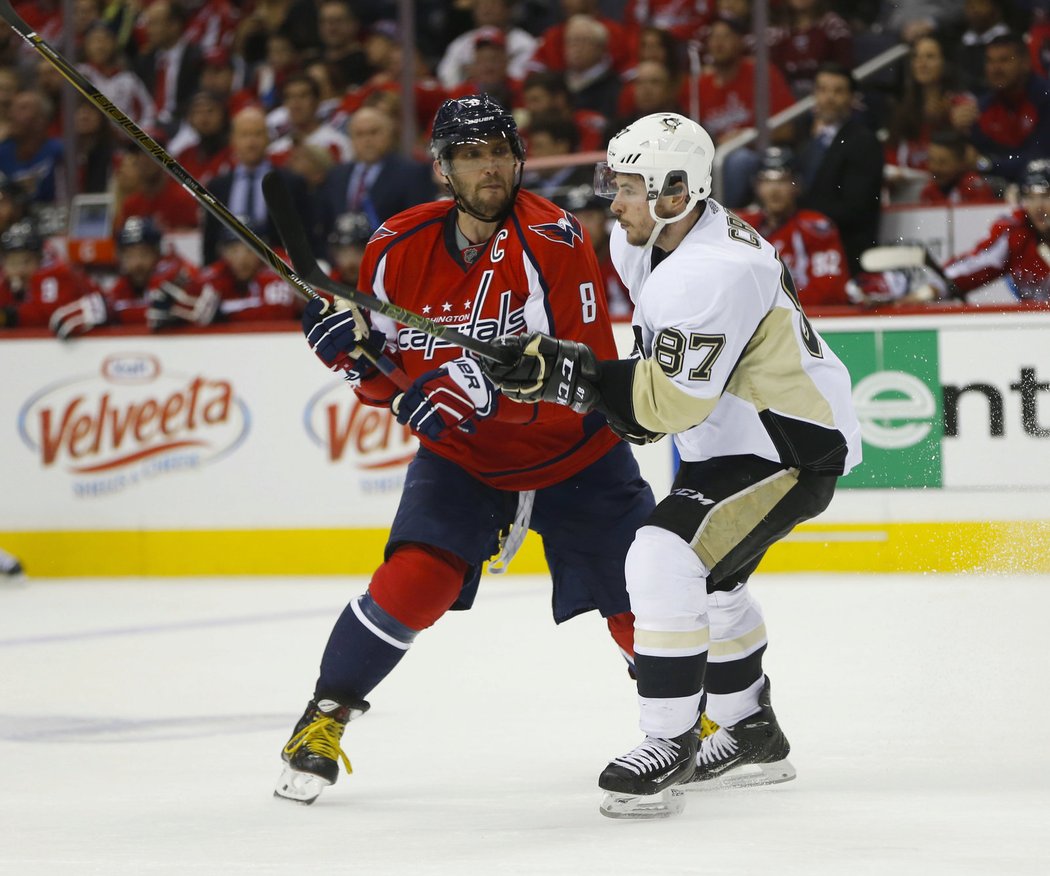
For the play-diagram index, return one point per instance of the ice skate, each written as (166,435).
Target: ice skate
(643,783)
(752,752)
(313,753)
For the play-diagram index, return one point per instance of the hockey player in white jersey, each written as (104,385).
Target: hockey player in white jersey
(762,417)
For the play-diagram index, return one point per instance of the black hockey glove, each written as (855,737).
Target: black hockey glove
(547,369)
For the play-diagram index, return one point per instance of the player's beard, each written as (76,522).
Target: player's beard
(490,200)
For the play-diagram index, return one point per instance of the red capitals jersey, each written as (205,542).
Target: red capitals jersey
(1012,248)
(264,296)
(810,246)
(51,287)
(538,272)
(128,304)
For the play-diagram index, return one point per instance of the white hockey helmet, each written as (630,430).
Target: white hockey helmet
(667,150)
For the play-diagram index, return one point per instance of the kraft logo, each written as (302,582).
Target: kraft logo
(369,438)
(130,421)
(566,230)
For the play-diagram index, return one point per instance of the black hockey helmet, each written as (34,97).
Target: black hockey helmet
(22,237)
(776,162)
(139,229)
(473,119)
(1036,179)
(350,229)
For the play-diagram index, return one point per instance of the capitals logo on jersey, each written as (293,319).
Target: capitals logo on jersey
(566,230)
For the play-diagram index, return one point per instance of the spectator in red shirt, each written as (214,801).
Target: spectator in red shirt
(1010,125)
(151,192)
(806,35)
(487,72)
(808,242)
(954,181)
(550,51)
(924,105)
(206,138)
(726,100)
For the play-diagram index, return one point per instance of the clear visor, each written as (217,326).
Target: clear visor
(609,183)
(473,154)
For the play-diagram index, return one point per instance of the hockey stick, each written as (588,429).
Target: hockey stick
(286,220)
(896,258)
(182,176)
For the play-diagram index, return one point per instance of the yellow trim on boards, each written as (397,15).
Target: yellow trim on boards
(982,547)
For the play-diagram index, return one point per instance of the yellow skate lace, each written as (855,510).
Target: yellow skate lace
(322,736)
(707,726)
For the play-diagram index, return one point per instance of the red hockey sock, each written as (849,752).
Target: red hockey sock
(418,584)
(621,628)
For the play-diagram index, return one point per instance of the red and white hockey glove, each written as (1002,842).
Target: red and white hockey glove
(454,395)
(169,304)
(79,316)
(339,333)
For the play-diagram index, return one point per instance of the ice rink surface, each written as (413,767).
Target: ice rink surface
(141,722)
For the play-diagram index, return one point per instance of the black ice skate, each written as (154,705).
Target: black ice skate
(313,753)
(752,752)
(642,783)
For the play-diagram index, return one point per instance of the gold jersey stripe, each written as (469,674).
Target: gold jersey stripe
(696,640)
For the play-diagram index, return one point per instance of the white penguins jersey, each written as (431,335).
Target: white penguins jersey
(731,364)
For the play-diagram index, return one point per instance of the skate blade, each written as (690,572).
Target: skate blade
(300,787)
(670,801)
(752,775)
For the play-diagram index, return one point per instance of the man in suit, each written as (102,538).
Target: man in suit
(841,164)
(378,182)
(241,188)
(171,66)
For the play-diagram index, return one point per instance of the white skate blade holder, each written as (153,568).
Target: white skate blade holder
(298,786)
(752,775)
(670,801)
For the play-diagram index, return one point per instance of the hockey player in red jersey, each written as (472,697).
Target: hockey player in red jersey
(806,241)
(1016,247)
(238,287)
(38,290)
(492,260)
(144,270)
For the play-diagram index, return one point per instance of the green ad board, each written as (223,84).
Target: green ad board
(897,393)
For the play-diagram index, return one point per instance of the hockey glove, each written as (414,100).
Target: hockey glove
(339,333)
(454,395)
(547,369)
(170,303)
(80,316)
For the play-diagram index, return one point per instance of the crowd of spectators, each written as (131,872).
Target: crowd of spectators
(313,89)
